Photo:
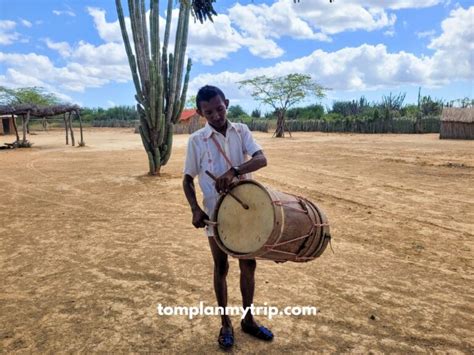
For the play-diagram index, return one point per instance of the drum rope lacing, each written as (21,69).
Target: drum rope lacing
(270,248)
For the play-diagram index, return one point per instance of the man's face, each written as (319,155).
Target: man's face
(215,111)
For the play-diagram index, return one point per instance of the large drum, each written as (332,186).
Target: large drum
(276,226)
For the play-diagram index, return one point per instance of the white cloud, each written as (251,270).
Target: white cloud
(33,69)
(26,23)
(370,67)
(66,12)
(343,16)
(356,68)
(63,48)
(7,33)
(424,34)
(108,31)
(454,56)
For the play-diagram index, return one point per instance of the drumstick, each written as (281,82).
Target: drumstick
(243,204)
(210,223)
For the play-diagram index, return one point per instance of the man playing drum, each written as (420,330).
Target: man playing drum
(222,148)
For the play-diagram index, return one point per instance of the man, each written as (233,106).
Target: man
(222,147)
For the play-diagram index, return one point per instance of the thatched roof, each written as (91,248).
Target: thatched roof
(456,114)
(37,111)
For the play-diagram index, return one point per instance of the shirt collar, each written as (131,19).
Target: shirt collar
(208,130)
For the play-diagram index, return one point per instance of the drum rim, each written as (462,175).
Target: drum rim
(261,251)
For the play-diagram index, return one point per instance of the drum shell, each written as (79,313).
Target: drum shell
(300,232)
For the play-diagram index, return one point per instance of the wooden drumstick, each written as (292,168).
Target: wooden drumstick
(210,223)
(243,204)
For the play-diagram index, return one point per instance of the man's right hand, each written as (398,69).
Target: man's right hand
(198,218)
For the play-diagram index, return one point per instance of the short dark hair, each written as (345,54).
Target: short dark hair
(206,93)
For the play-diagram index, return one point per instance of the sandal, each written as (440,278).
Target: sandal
(226,338)
(259,332)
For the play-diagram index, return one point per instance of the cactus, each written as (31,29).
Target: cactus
(157,75)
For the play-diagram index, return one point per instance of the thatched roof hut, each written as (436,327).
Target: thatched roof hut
(457,123)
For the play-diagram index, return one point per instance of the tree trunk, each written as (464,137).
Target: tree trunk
(280,129)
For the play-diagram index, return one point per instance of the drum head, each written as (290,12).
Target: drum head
(241,230)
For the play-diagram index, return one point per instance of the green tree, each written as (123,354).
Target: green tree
(282,92)
(256,113)
(28,95)
(311,112)
(236,111)
(191,102)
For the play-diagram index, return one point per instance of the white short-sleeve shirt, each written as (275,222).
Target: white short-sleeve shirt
(203,154)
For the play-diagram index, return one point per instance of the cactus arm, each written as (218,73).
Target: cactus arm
(128,49)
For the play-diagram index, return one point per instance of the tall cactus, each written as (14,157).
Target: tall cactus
(157,74)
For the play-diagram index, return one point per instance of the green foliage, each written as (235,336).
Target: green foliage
(28,95)
(350,108)
(430,107)
(256,113)
(236,111)
(191,102)
(282,92)
(121,113)
(311,112)
(393,102)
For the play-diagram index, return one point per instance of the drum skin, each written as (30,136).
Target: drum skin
(277,226)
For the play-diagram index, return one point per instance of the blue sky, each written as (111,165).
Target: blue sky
(355,47)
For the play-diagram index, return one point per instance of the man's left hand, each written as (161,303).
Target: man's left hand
(224,181)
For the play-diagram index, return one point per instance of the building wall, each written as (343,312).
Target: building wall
(8,123)
(456,130)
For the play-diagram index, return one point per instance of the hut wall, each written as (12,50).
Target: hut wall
(6,126)
(456,130)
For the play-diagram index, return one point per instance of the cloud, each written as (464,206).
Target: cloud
(66,12)
(7,33)
(63,48)
(354,68)
(369,67)
(38,70)
(108,31)
(26,23)
(454,48)
(425,34)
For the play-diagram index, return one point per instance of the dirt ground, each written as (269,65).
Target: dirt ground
(90,245)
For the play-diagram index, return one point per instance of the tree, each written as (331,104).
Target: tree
(311,112)
(256,113)
(236,111)
(191,102)
(28,95)
(282,92)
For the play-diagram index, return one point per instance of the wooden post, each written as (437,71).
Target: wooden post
(23,126)
(66,128)
(73,142)
(45,124)
(81,143)
(16,128)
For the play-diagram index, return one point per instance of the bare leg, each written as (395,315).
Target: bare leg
(221,267)
(247,286)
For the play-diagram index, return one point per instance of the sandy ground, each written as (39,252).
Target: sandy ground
(90,246)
